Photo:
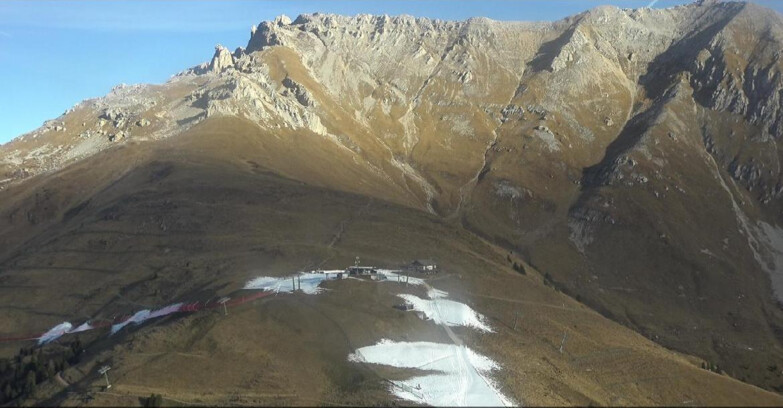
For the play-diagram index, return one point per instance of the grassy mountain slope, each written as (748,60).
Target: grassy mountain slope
(194,217)
(631,156)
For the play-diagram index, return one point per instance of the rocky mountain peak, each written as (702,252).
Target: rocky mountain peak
(261,36)
(282,20)
(222,59)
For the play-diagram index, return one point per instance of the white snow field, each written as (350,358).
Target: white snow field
(143,315)
(460,375)
(82,327)
(55,333)
(137,318)
(433,293)
(448,312)
(394,276)
(460,379)
(165,311)
(307,281)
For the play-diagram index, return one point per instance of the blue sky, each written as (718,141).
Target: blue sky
(56,53)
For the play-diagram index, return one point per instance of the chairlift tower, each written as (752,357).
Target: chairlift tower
(562,343)
(223,301)
(104,370)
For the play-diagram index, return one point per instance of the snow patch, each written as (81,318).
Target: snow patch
(82,327)
(143,315)
(165,311)
(55,333)
(448,312)
(308,282)
(461,378)
(394,276)
(433,293)
(138,318)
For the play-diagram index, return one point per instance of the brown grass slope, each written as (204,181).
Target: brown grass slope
(196,217)
(635,176)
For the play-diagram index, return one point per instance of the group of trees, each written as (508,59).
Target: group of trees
(516,266)
(711,367)
(20,375)
(154,400)
(548,280)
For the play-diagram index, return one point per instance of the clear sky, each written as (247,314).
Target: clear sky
(56,53)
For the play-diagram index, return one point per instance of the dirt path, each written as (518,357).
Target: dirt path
(341,229)
(529,302)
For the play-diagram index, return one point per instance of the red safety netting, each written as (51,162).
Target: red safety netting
(184,308)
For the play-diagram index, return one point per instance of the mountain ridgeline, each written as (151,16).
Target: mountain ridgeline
(630,155)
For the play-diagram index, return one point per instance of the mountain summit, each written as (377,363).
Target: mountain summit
(627,158)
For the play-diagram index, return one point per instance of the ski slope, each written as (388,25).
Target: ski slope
(460,378)
(447,312)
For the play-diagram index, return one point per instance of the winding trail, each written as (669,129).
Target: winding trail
(530,302)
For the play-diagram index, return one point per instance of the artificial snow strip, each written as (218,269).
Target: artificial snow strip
(394,276)
(307,282)
(55,333)
(62,329)
(448,312)
(458,374)
(144,315)
(139,317)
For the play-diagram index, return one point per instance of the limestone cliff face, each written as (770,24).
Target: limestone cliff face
(584,77)
(222,60)
(634,154)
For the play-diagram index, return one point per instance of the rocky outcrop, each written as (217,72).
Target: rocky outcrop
(298,91)
(753,91)
(222,60)
(117,116)
(266,34)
